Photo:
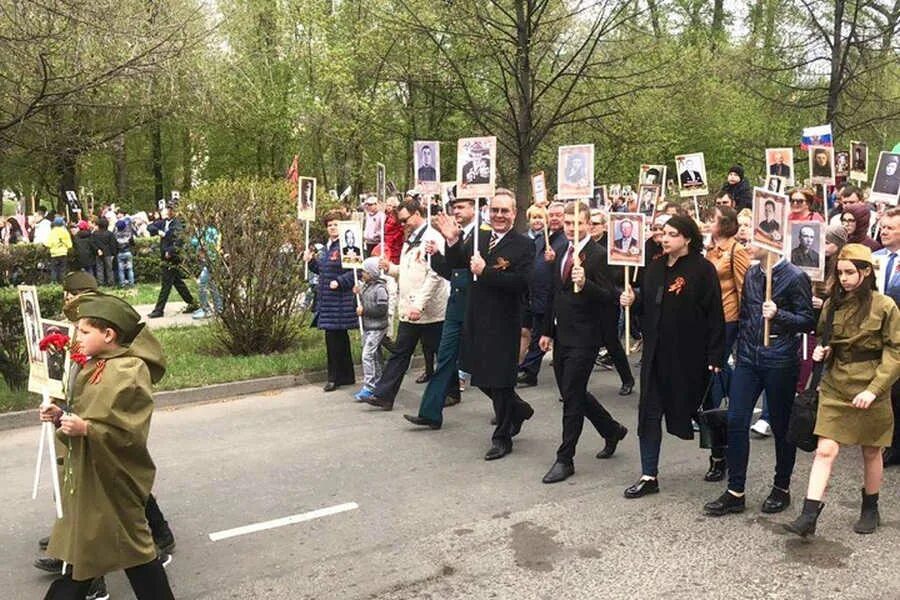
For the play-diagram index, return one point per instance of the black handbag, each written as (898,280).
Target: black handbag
(802,423)
(713,422)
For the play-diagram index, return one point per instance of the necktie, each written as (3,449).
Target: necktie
(493,243)
(889,271)
(569,262)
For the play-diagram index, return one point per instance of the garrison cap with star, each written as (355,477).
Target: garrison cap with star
(112,309)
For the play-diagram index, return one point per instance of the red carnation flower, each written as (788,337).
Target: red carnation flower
(78,357)
(55,342)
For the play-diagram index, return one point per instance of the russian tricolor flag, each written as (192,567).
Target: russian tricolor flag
(816,136)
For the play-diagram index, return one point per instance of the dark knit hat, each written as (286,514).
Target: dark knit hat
(76,282)
(836,234)
(114,310)
(737,169)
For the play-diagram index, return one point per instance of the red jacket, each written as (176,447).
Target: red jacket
(393,237)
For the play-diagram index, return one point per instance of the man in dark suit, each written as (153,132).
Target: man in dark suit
(625,242)
(778,168)
(690,177)
(490,343)
(426,170)
(443,388)
(573,325)
(803,254)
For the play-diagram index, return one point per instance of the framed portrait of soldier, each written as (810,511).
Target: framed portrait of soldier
(476,167)
(780,163)
(351,242)
(776,184)
(599,198)
(859,161)
(306,198)
(57,361)
(652,175)
(691,169)
(380,182)
(769,217)
(427,167)
(842,164)
(448,193)
(74,203)
(539,189)
(821,165)
(626,230)
(575,172)
(648,198)
(31,326)
(807,243)
(886,183)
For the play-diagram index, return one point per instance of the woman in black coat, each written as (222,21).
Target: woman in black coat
(680,306)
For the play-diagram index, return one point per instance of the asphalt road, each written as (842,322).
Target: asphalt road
(434,520)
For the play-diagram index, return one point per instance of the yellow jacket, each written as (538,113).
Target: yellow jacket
(59,242)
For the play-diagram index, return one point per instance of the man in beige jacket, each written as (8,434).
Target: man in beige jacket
(422,301)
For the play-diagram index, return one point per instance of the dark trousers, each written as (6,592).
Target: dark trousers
(444,382)
(572,367)
(58,268)
(509,409)
(651,439)
(747,383)
(171,277)
(340,361)
(155,517)
(531,364)
(105,273)
(609,324)
(408,335)
(148,581)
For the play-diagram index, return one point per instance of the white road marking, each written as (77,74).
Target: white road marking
(293,519)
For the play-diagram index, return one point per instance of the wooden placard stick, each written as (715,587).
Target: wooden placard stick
(825,203)
(305,248)
(627,317)
(767,323)
(358,300)
(576,260)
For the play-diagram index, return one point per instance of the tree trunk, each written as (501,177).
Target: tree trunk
(120,167)
(67,161)
(187,154)
(654,18)
(718,22)
(156,160)
(524,125)
(837,49)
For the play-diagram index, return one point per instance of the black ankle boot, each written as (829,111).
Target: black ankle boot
(805,524)
(717,469)
(869,519)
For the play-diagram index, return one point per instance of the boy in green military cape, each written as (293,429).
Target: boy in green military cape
(108,471)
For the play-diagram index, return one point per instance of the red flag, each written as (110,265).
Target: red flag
(293,176)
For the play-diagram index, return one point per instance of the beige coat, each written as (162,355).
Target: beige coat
(420,287)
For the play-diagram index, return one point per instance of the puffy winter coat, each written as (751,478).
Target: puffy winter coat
(335,309)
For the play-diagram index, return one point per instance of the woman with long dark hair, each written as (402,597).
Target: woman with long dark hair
(680,306)
(863,361)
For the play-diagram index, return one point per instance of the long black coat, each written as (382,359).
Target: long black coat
(490,340)
(684,332)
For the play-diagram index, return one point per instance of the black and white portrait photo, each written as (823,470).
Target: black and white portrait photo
(886,184)
(426,163)
(691,174)
(821,165)
(575,176)
(807,247)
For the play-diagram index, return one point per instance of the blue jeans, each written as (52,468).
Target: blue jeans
(205,289)
(747,383)
(651,441)
(125,261)
(445,375)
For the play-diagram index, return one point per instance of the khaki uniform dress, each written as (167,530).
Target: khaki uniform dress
(107,475)
(864,357)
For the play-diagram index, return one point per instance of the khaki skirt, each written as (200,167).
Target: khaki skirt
(837,419)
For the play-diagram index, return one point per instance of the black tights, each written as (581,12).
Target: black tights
(148,581)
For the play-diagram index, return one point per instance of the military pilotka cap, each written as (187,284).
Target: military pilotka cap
(76,282)
(112,309)
(856,252)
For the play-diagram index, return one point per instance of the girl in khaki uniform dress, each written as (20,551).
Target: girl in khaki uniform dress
(863,361)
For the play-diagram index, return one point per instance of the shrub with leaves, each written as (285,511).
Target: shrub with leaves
(254,257)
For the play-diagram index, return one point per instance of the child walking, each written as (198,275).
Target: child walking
(373,309)
(108,471)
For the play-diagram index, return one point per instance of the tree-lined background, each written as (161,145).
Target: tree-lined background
(129,99)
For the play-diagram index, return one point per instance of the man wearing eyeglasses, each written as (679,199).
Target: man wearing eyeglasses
(490,348)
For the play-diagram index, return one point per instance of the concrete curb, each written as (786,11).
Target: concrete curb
(201,395)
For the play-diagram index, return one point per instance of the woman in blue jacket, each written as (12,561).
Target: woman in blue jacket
(335,306)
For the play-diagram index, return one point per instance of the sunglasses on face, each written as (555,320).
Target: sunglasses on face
(596,223)
(798,200)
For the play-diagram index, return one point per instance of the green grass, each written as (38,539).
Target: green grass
(194,361)
(146,293)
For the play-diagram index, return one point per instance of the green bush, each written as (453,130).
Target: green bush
(13,353)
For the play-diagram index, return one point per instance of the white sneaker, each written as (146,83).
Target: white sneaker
(761,428)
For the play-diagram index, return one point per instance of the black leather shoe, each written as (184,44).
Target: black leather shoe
(51,565)
(155,314)
(378,402)
(725,504)
(777,501)
(527,382)
(423,378)
(190,308)
(43,543)
(626,389)
(417,420)
(642,488)
(526,414)
(612,442)
(451,401)
(717,469)
(498,450)
(494,420)
(330,386)
(559,472)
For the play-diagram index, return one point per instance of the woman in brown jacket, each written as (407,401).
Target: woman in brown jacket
(863,361)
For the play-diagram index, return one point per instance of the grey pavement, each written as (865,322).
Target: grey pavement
(437,521)
(173,316)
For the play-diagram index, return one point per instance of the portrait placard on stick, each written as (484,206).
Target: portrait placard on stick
(821,165)
(31,324)
(691,175)
(842,164)
(776,184)
(807,243)
(780,163)
(653,175)
(427,167)
(599,199)
(769,217)
(476,167)
(539,188)
(57,361)
(380,182)
(575,172)
(306,199)
(626,230)
(350,238)
(859,161)
(648,197)
(886,184)
(448,194)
